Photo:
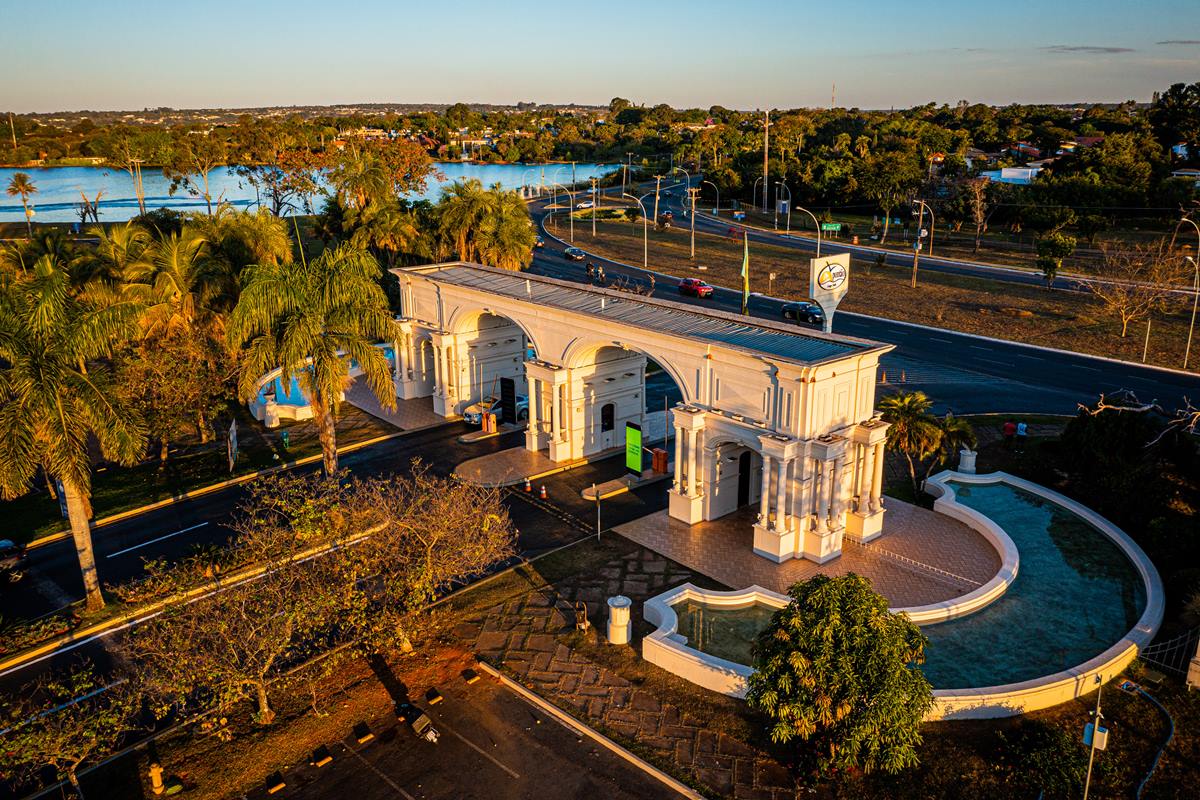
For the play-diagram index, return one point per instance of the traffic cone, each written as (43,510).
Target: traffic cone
(528,485)
(542,493)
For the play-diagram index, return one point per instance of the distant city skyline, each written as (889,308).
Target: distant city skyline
(131,54)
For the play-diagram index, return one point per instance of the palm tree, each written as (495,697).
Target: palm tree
(506,237)
(310,319)
(175,283)
(51,407)
(956,434)
(120,251)
(385,227)
(463,209)
(913,431)
(21,184)
(359,179)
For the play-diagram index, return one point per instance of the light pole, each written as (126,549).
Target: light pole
(1195,288)
(625,174)
(570,208)
(645,230)
(717,204)
(687,180)
(527,185)
(789,209)
(1096,717)
(754,194)
(693,193)
(932,223)
(917,245)
(595,205)
(816,224)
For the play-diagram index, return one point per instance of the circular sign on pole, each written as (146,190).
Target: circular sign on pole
(831,276)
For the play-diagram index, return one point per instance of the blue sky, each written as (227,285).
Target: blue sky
(128,54)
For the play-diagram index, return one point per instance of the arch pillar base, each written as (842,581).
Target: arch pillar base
(864,527)
(778,546)
(685,508)
(822,547)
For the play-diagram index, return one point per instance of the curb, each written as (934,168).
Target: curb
(569,722)
(1042,348)
(214,487)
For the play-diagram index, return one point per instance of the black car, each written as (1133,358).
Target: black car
(804,312)
(12,560)
(539,242)
(574,254)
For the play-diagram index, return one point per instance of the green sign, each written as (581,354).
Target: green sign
(831,227)
(633,448)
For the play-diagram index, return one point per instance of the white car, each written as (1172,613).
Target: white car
(584,204)
(473,413)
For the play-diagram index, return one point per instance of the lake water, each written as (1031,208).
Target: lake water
(59,187)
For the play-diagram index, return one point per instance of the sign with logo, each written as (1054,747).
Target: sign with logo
(829,278)
(633,448)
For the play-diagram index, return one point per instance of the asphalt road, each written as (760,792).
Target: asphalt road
(963,374)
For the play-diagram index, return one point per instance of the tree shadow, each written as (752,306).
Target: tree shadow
(397,690)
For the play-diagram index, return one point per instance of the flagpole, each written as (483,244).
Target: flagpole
(746,273)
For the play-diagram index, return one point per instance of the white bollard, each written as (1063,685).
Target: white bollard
(966,461)
(618,619)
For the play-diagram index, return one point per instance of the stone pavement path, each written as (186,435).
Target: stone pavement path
(527,636)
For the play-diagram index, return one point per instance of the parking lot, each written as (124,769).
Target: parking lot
(494,744)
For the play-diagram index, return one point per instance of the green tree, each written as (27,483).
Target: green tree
(310,318)
(48,725)
(462,210)
(836,668)
(887,178)
(21,185)
(1052,249)
(193,158)
(55,402)
(506,238)
(913,430)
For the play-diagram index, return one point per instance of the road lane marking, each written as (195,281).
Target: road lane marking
(477,749)
(154,541)
(385,778)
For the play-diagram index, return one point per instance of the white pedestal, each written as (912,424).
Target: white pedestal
(822,547)
(684,508)
(618,619)
(864,527)
(779,546)
(966,461)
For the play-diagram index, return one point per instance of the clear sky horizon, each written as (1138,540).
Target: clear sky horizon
(69,55)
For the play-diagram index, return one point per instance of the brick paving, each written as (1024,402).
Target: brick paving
(528,636)
(409,414)
(723,550)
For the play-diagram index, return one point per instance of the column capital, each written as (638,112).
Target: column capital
(869,432)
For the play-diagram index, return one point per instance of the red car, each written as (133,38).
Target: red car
(695,287)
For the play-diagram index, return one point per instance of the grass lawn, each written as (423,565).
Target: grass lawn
(1067,320)
(189,467)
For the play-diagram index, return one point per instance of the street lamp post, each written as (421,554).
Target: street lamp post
(816,224)
(570,208)
(917,245)
(523,174)
(754,194)
(657,184)
(1195,289)
(789,210)
(932,223)
(645,230)
(693,194)
(595,205)
(717,204)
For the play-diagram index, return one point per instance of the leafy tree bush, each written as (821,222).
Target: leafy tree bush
(1044,758)
(837,669)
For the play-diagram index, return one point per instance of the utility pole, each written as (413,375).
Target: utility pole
(766,142)
(917,245)
(1096,717)
(13,130)
(833,96)
(657,183)
(628,170)
(693,193)
(595,205)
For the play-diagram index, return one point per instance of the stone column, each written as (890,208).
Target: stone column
(781,520)
(862,474)
(693,484)
(837,494)
(555,414)
(877,478)
(821,495)
(678,458)
(534,402)
(764,509)
(439,378)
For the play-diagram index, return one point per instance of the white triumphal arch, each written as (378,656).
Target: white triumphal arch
(772,415)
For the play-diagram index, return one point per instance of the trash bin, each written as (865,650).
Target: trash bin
(618,619)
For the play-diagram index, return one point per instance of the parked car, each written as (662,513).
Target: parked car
(473,413)
(539,242)
(804,312)
(12,560)
(695,287)
(584,204)
(419,721)
(574,254)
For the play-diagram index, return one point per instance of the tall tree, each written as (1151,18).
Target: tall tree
(913,430)
(54,401)
(837,668)
(506,238)
(193,158)
(21,185)
(1134,281)
(310,319)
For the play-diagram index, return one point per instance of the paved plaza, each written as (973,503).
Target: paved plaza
(923,557)
(408,416)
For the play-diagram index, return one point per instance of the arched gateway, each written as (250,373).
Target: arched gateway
(772,414)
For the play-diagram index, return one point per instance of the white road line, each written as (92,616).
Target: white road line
(944,341)
(979,347)
(478,749)
(384,777)
(1081,366)
(153,541)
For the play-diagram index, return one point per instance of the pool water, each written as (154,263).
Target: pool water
(1076,594)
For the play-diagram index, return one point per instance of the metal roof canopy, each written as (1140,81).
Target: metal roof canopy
(760,337)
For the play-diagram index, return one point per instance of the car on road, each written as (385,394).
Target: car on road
(695,288)
(12,560)
(584,204)
(574,254)
(803,312)
(539,242)
(473,413)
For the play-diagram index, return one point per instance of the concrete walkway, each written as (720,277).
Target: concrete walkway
(409,414)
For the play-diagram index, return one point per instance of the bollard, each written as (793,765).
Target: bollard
(903,376)
(883,378)
(618,619)
(542,492)
(156,781)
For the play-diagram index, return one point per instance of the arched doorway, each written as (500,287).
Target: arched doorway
(735,479)
(743,487)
